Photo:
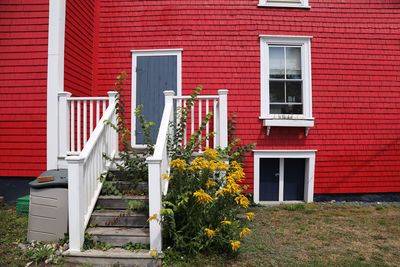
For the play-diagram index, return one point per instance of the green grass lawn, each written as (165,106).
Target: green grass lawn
(286,235)
(317,235)
(13,228)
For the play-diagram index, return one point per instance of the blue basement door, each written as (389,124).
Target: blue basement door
(154,74)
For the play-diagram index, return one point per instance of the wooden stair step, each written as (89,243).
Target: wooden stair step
(132,219)
(125,258)
(119,236)
(125,186)
(117,202)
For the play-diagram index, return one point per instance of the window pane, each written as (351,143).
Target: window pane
(293,63)
(293,92)
(276,63)
(277,92)
(286,109)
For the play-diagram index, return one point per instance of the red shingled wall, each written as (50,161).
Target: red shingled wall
(23,70)
(355,74)
(79,52)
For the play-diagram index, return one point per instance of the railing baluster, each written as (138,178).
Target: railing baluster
(200,121)
(97,111)
(104,106)
(215,123)
(84,122)
(91,117)
(72,126)
(78,125)
(192,120)
(185,131)
(208,123)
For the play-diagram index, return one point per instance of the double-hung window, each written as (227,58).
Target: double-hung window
(286,81)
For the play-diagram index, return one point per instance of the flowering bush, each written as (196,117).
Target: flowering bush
(202,205)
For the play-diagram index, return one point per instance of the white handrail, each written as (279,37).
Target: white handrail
(84,170)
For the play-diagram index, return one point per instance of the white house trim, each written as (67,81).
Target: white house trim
(309,155)
(153,52)
(55,76)
(286,120)
(284,3)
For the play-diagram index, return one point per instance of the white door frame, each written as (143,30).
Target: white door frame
(152,52)
(309,155)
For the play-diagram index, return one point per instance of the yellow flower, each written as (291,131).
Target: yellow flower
(219,192)
(243,201)
(209,232)
(180,164)
(210,183)
(235,245)
(202,197)
(210,153)
(154,217)
(225,221)
(244,232)
(165,176)
(153,252)
(250,216)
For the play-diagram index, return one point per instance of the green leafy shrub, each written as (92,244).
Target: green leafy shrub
(205,197)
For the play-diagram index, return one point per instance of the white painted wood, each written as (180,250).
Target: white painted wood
(281,178)
(223,117)
(286,120)
(192,119)
(84,170)
(55,78)
(97,111)
(72,135)
(284,3)
(78,125)
(185,132)
(84,122)
(309,155)
(75,203)
(157,165)
(208,123)
(200,122)
(289,123)
(91,117)
(63,113)
(152,52)
(216,135)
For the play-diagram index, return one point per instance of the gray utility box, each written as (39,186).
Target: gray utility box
(48,207)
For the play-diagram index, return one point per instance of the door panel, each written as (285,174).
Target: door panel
(294,171)
(154,74)
(269,179)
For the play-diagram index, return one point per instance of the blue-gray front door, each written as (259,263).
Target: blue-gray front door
(154,74)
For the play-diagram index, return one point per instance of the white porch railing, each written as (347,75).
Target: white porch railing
(158,163)
(85,165)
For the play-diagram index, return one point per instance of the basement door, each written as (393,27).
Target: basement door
(156,71)
(282,179)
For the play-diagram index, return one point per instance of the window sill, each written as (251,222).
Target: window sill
(284,5)
(269,122)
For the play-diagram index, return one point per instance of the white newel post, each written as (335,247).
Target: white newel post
(75,202)
(223,118)
(112,100)
(154,166)
(63,124)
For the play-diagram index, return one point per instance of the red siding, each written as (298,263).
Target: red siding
(23,69)
(79,37)
(355,74)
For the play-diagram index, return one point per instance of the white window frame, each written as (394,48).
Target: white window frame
(152,52)
(309,155)
(284,3)
(286,120)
